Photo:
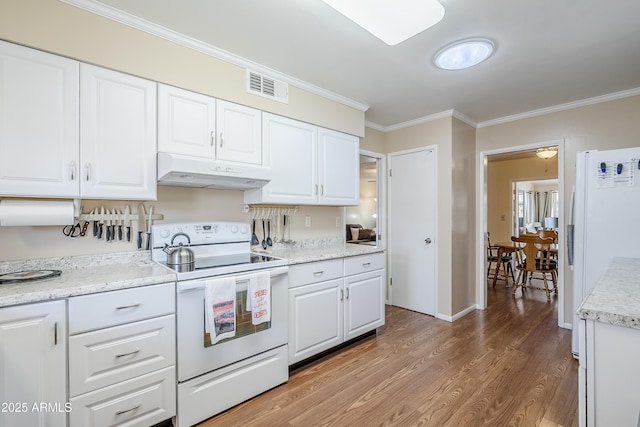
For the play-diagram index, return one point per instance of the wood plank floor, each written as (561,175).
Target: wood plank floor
(509,365)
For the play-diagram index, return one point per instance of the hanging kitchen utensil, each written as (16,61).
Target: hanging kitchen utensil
(120,221)
(254,237)
(142,223)
(264,236)
(149,222)
(101,223)
(269,241)
(127,222)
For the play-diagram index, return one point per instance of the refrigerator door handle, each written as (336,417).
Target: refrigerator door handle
(570,228)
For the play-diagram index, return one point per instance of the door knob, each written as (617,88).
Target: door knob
(427,240)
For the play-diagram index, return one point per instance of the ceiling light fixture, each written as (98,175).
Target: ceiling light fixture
(391,21)
(464,54)
(546,153)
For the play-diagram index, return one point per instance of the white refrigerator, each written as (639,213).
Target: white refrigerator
(605,218)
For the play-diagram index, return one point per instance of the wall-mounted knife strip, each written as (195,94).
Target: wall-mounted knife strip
(115,217)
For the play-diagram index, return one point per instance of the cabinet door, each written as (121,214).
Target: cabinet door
(38,123)
(315,319)
(364,303)
(117,135)
(239,137)
(338,168)
(292,154)
(186,122)
(33,364)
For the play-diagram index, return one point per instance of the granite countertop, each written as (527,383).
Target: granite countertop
(615,298)
(304,254)
(89,274)
(82,275)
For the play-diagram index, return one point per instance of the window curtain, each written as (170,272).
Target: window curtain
(540,204)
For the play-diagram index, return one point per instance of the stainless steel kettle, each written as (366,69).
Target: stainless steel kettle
(180,258)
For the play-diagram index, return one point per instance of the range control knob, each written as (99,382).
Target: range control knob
(243,230)
(164,233)
(234,229)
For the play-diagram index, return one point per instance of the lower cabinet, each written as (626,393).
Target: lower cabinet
(331,302)
(33,365)
(608,375)
(122,357)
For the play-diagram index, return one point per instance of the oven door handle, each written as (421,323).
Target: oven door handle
(190,285)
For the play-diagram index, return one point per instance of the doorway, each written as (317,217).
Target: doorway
(483,217)
(413,229)
(363,223)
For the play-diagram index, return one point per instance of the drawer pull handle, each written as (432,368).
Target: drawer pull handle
(131,353)
(55,334)
(124,307)
(318,273)
(128,410)
(366,264)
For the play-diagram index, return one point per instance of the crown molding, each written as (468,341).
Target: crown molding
(562,107)
(133,21)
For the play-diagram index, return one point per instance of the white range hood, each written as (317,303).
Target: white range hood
(189,171)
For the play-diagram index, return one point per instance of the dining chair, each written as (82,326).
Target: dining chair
(495,255)
(533,255)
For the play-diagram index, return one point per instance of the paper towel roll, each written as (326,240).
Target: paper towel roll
(36,212)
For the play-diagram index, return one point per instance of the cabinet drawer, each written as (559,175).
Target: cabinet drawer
(96,311)
(313,272)
(101,358)
(142,401)
(363,263)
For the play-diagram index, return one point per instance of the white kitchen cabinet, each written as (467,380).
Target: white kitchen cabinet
(74,130)
(239,133)
(364,294)
(33,365)
(122,357)
(117,135)
(310,165)
(609,375)
(333,301)
(315,319)
(186,122)
(197,125)
(338,168)
(39,122)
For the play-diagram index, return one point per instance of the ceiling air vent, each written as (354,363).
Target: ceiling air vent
(262,85)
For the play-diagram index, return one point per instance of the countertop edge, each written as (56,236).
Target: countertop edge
(615,298)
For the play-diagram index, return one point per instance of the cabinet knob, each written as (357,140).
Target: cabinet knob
(427,240)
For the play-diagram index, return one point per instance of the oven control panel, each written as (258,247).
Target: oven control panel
(199,233)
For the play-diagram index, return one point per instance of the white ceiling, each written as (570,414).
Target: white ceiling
(548,52)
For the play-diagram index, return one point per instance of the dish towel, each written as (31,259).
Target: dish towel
(220,308)
(259,297)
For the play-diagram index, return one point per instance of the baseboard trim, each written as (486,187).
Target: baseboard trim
(457,315)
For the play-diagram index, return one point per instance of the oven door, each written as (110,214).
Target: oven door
(196,355)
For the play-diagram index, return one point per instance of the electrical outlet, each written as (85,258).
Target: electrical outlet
(307,221)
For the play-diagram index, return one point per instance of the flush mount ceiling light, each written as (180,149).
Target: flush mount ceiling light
(546,153)
(392,21)
(464,54)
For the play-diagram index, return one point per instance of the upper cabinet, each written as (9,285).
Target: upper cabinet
(39,123)
(55,142)
(117,134)
(193,124)
(310,165)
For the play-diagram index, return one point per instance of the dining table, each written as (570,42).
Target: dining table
(505,248)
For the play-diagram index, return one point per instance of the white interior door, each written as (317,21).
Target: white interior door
(412,230)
